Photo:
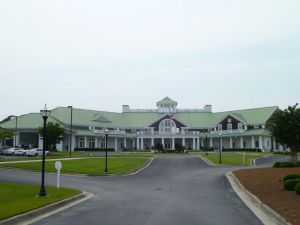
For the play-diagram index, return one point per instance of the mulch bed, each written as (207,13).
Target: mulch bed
(267,185)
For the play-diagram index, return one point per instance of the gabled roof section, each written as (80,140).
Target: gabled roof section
(101,118)
(27,121)
(166,101)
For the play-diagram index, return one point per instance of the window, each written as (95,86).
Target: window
(256,126)
(167,126)
(220,127)
(81,143)
(229,120)
(91,142)
(229,126)
(257,144)
(240,126)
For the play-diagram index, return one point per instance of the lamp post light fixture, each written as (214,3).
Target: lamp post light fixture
(106,136)
(71,136)
(45,114)
(220,152)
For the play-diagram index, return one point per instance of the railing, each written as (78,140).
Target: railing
(168,133)
(228,132)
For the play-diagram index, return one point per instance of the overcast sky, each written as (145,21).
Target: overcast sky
(97,54)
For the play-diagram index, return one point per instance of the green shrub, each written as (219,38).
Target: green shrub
(286,164)
(277,165)
(241,150)
(297,188)
(291,176)
(290,184)
(94,149)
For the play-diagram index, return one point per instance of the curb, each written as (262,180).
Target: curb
(207,161)
(264,212)
(45,211)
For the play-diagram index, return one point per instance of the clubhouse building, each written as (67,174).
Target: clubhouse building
(145,129)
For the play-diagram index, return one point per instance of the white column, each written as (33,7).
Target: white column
(163,142)
(242,142)
(133,143)
(142,143)
(152,142)
(183,142)
(221,143)
(198,143)
(252,142)
(261,142)
(137,143)
(116,144)
(125,143)
(194,143)
(85,142)
(59,146)
(18,139)
(230,143)
(73,142)
(173,143)
(40,142)
(96,143)
(210,142)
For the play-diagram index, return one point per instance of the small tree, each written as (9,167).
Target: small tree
(54,134)
(285,128)
(5,134)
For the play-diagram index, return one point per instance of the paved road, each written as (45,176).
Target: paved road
(171,191)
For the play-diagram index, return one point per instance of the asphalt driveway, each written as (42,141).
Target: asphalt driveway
(171,191)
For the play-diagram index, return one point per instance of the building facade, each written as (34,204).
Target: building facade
(145,129)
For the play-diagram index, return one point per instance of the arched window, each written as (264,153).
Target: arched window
(167,126)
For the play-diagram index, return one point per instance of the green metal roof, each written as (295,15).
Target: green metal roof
(83,117)
(166,101)
(27,121)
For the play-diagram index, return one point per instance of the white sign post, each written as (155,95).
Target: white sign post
(58,167)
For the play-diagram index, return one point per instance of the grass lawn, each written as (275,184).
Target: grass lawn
(19,198)
(91,166)
(233,159)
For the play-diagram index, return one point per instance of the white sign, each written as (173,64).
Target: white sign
(58,167)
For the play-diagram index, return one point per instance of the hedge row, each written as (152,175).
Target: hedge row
(291,182)
(286,164)
(241,150)
(94,149)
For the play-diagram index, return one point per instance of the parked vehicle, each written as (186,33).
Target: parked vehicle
(36,152)
(10,151)
(21,152)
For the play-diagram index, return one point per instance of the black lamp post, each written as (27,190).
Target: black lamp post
(16,130)
(71,127)
(106,136)
(206,145)
(45,114)
(220,152)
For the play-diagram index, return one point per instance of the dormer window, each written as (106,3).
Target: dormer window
(240,126)
(220,127)
(229,126)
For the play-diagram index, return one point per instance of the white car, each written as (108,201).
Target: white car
(36,152)
(21,152)
(10,151)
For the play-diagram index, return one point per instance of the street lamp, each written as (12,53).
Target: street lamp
(71,126)
(220,152)
(206,145)
(16,130)
(106,136)
(45,114)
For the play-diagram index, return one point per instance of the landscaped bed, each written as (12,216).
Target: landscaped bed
(91,166)
(234,159)
(267,185)
(20,198)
